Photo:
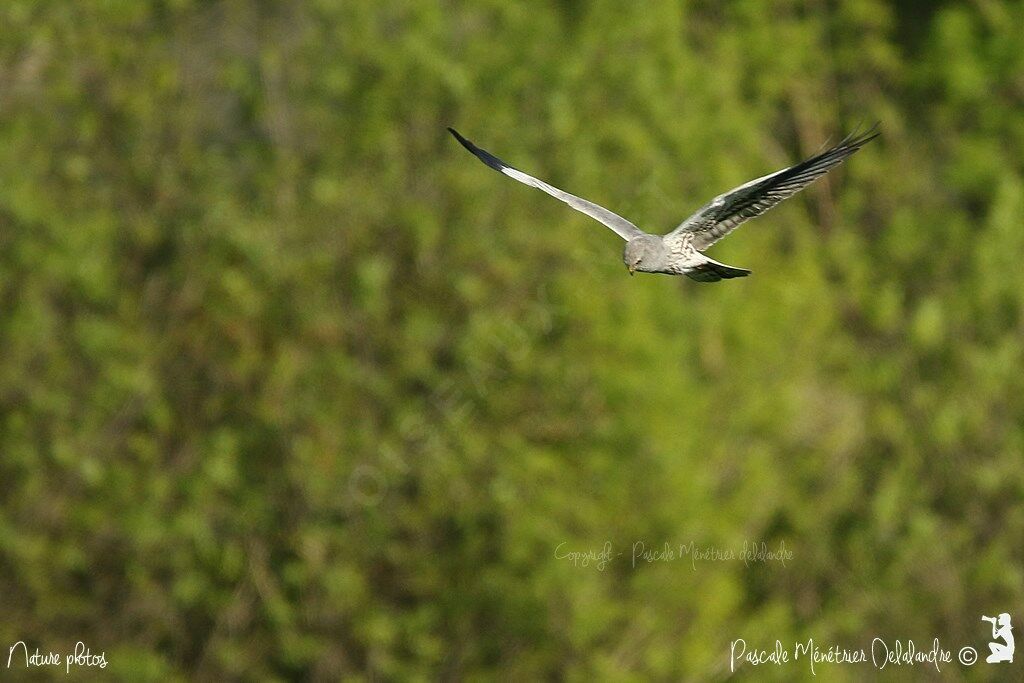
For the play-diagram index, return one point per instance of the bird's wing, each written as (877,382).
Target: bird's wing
(620,225)
(710,270)
(722,214)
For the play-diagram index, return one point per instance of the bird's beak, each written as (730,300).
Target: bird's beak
(632,269)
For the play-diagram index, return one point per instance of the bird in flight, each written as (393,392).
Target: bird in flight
(681,252)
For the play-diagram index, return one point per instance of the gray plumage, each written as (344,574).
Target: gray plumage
(680,252)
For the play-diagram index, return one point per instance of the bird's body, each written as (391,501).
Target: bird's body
(656,254)
(680,252)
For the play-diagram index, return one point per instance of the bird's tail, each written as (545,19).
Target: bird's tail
(711,270)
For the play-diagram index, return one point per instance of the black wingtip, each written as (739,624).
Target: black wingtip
(481,154)
(465,143)
(856,139)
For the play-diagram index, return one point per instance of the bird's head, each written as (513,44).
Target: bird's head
(640,253)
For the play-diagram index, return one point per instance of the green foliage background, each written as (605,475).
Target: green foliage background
(291,386)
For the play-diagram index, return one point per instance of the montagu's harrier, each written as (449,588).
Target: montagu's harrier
(680,252)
